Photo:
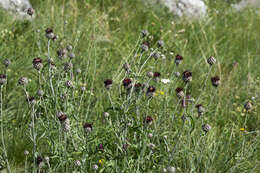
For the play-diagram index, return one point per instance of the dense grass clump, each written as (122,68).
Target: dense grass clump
(113,86)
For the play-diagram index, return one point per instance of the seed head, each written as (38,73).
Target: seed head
(156,55)
(62,53)
(37,63)
(200,109)
(248,105)
(78,70)
(31,100)
(6,62)
(160,43)
(77,163)
(23,81)
(40,93)
(69,84)
(206,128)
(150,74)
(106,114)
(2,79)
(178,59)
(126,66)
(177,74)
(72,55)
(164,170)
(215,81)
(108,83)
(144,33)
(30,11)
(68,66)
(150,135)
(151,146)
(187,76)
(26,152)
(83,88)
(65,122)
(211,60)
(145,46)
(171,169)
(95,167)
(69,47)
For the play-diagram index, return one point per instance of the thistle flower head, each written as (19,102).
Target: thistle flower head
(2,79)
(127,83)
(87,127)
(248,105)
(37,63)
(156,74)
(6,62)
(23,81)
(211,60)
(101,147)
(187,76)
(39,161)
(68,66)
(108,83)
(148,120)
(160,43)
(144,33)
(178,59)
(215,81)
(49,33)
(31,100)
(179,92)
(30,11)
(150,91)
(206,128)
(69,84)
(200,109)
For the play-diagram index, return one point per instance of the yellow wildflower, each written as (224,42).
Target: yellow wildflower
(101,161)
(242,129)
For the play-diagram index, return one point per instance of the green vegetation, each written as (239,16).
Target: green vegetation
(141,133)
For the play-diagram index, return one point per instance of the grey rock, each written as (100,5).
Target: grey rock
(18,8)
(189,9)
(246,4)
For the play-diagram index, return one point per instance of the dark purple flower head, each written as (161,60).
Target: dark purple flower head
(148,120)
(127,83)
(37,60)
(178,59)
(215,81)
(31,100)
(49,30)
(39,160)
(187,76)
(179,92)
(87,126)
(62,117)
(101,147)
(30,11)
(211,60)
(138,87)
(108,83)
(156,74)
(151,91)
(2,76)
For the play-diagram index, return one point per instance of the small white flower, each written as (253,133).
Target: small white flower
(165,81)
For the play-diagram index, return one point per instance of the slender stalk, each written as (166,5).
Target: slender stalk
(2,132)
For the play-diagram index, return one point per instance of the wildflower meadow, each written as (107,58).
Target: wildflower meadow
(122,87)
